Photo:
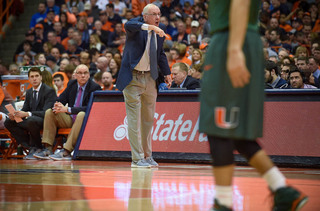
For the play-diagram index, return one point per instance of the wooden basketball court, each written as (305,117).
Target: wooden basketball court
(106,185)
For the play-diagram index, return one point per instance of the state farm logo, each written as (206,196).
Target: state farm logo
(121,131)
(166,130)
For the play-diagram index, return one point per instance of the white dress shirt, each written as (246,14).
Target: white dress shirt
(144,63)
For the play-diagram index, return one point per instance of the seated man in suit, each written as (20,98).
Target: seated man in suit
(181,79)
(76,95)
(38,99)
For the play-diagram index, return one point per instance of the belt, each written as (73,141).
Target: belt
(140,72)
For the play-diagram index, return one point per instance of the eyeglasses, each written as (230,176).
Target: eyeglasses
(82,73)
(154,14)
(102,13)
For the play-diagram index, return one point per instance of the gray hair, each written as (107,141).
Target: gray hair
(81,66)
(147,7)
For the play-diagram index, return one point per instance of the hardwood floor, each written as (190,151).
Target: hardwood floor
(106,185)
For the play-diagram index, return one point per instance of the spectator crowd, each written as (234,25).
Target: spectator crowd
(66,33)
(290,35)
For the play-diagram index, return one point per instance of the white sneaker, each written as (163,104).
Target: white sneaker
(43,155)
(152,162)
(60,156)
(140,164)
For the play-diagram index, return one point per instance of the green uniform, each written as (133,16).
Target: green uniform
(226,111)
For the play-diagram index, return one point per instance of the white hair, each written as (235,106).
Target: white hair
(147,7)
(81,66)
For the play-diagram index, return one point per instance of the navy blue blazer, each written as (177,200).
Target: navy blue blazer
(135,45)
(70,93)
(189,83)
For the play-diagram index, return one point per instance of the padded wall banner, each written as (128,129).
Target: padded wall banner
(291,127)
(175,128)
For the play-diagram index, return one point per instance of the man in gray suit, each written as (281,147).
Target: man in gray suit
(38,99)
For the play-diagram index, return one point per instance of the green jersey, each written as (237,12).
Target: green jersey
(219,14)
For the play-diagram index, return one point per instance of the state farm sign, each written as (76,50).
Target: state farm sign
(166,129)
(175,128)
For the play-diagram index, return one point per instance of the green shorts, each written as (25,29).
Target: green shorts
(226,111)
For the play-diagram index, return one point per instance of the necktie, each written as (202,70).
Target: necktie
(153,57)
(78,101)
(79,97)
(34,100)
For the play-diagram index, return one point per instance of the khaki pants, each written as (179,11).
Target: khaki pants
(61,120)
(140,100)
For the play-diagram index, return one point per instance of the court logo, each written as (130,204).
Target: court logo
(220,117)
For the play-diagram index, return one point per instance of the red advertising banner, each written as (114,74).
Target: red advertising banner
(175,128)
(290,128)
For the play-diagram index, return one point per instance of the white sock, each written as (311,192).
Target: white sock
(224,195)
(274,178)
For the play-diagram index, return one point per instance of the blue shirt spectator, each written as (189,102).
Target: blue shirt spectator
(39,16)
